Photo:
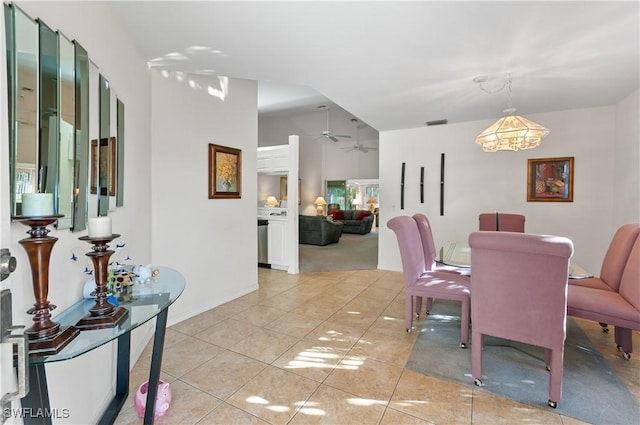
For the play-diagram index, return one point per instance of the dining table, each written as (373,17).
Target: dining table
(458,254)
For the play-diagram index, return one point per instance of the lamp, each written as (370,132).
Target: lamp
(320,203)
(271,201)
(512,132)
(356,203)
(372,200)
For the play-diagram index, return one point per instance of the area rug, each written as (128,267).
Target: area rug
(591,392)
(352,252)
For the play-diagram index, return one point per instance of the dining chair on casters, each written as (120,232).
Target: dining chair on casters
(613,264)
(504,222)
(430,259)
(429,284)
(520,293)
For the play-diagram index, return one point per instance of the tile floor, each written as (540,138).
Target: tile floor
(324,348)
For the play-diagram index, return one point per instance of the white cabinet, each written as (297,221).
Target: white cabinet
(278,243)
(273,159)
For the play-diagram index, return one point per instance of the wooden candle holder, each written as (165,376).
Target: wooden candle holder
(45,336)
(103,314)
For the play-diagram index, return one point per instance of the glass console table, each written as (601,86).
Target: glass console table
(148,300)
(458,254)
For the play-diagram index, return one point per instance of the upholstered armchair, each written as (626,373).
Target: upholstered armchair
(519,283)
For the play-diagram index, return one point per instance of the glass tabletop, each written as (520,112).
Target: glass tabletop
(458,254)
(147,301)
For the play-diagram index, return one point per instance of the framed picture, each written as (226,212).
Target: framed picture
(550,180)
(103,166)
(225,172)
(283,189)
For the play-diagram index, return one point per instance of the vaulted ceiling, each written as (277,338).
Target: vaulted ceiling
(396,64)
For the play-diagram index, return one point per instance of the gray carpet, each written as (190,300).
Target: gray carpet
(352,252)
(591,390)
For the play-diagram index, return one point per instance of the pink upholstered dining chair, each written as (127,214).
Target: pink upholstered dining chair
(503,222)
(620,308)
(613,264)
(429,248)
(614,261)
(519,285)
(430,284)
(430,261)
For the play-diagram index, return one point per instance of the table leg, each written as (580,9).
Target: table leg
(122,381)
(156,364)
(35,404)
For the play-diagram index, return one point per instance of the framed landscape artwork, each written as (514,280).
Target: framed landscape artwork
(550,180)
(225,172)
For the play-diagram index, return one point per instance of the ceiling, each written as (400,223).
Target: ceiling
(399,64)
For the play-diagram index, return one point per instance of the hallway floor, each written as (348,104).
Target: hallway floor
(324,348)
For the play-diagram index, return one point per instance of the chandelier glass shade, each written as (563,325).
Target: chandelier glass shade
(511,133)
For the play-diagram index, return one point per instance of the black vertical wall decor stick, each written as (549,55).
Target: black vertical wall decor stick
(402,187)
(422,185)
(442,184)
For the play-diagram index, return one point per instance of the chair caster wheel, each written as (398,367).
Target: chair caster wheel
(548,368)
(478,382)
(552,404)
(408,331)
(625,354)
(417,315)
(605,327)
(463,345)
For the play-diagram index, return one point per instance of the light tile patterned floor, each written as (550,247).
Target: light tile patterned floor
(325,348)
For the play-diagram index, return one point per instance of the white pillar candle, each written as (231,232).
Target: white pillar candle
(37,204)
(99,227)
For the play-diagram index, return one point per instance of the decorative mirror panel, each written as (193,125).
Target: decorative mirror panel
(23,67)
(81,178)
(66,124)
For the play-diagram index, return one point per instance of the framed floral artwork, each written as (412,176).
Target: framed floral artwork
(225,172)
(550,180)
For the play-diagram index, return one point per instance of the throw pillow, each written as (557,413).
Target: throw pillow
(362,215)
(338,215)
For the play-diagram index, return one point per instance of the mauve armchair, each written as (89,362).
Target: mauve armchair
(504,222)
(430,284)
(519,285)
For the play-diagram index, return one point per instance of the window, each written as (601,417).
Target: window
(336,193)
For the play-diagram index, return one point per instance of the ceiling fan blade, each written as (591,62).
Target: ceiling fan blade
(346,136)
(331,137)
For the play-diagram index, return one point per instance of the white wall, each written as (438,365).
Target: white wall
(626,187)
(477,182)
(320,158)
(99,32)
(211,241)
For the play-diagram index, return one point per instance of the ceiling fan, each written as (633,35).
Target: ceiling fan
(359,146)
(328,133)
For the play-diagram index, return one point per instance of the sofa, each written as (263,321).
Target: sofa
(355,221)
(317,230)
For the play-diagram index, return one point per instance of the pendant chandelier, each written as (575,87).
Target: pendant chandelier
(511,132)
